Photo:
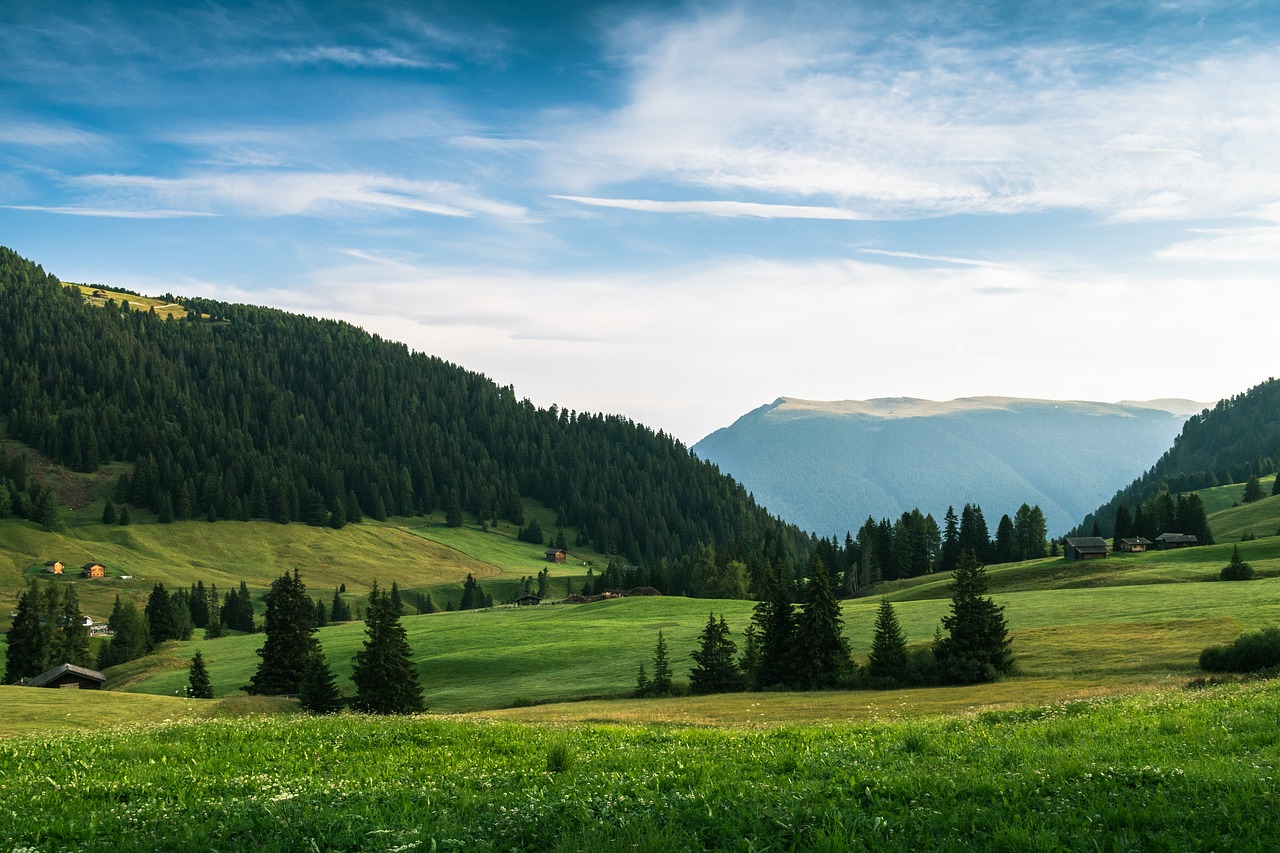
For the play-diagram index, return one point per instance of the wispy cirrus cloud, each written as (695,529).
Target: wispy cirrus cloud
(720,208)
(267,193)
(109,213)
(356,57)
(945,125)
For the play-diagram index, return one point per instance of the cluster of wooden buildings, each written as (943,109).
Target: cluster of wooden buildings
(88,570)
(1095,547)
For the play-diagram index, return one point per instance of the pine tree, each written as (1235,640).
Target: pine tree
(822,652)
(774,618)
(289,625)
(950,542)
(661,683)
(1123,528)
(27,652)
(1252,490)
(1237,569)
(749,662)
(161,622)
(318,693)
(124,516)
(715,670)
(397,604)
(977,648)
(322,615)
(129,637)
(1275,486)
(339,610)
(383,671)
(70,639)
(888,646)
(643,685)
(109,515)
(198,684)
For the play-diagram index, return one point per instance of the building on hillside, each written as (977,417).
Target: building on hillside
(93,570)
(1084,548)
(556,555)
(1165,541)
(528,601)
(68,676)
(54,567)
(1134,545)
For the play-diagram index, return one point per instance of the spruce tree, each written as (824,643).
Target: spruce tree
(385,676)
(977,648)
(198,684)
(129,637)
(888,646)
(397,603)
(109,515)
(643,685)
(318,693)
(660,685)
(774,618)
(70,639)
(1252,490)
(822,652)
(339,610)
(289,625)
(749,662)
(715,670)
(1237,569)
(161,622)
(28,648)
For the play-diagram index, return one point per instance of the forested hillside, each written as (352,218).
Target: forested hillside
(1237,439)
(248,412)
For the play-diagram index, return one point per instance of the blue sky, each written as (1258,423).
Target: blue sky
(681,211)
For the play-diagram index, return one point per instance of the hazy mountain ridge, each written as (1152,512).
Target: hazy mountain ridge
(826,466)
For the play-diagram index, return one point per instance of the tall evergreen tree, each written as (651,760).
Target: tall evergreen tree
(977,647)
(888,646)
(774,618)
(660,684)
(129,636)
(1123,528)
(385,676)
(339,610)
(162,623)
(289,626)
(1252,490)
(950,541)
(715,670)
(318,693)
(822,652)
(28,643)
(397,603)
(70,637)
(198,684)
(1005,548)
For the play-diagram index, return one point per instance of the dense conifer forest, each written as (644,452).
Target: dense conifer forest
(240,412)
(1237,439)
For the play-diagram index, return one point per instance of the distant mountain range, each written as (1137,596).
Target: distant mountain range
(827,466)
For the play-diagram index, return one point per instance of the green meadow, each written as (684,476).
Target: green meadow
(1170,770)
(531,742)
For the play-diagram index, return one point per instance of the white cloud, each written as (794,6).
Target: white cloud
(352,57)
(296,193)
(736,103)
(1227,244)
(720,208)
(109,213)
(689,349)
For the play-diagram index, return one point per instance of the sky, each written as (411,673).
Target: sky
(675,211)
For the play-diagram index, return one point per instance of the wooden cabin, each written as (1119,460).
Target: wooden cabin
(1084,548)
(1134,545)
(54,567)
(1165,541)
(556,555)
(93,570)
(68,676)
(528,601)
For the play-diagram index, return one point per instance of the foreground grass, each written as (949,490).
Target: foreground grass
(1164,771)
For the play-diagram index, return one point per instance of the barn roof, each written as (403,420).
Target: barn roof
(58,671)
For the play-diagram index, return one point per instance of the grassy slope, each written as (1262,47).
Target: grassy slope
(1077,627)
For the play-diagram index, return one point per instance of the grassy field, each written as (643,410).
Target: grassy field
(1171,770)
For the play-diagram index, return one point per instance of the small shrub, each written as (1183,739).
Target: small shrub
(1237,569)
(1249,653)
